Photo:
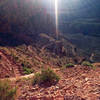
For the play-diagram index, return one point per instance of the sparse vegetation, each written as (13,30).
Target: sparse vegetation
(37,79)
(27,70)
(38,34)
(6,92)
(69,65)
(46,76)
(86,63)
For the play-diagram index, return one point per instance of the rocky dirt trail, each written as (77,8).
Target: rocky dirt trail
(15,68)
(78,83)
(9,65)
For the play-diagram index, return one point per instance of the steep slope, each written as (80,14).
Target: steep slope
(80,22)
(46,51)
(8,67)
(27,35)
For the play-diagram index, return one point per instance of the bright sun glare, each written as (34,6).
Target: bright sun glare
(56,16)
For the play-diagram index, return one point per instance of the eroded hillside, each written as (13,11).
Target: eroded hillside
(38,64)
(47,51)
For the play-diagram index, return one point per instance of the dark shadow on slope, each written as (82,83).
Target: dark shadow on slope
(8,39)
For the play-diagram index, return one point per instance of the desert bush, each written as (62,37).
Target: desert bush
(37,79)
(27,70)
(6,91)
(69,65)
(46,76)
(86,63)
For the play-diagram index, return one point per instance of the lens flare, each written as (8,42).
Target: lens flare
(56,17)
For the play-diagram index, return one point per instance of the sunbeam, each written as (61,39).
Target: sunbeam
(56,17)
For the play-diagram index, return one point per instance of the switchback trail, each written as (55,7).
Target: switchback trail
(9,65)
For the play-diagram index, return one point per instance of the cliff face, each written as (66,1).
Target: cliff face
(23,21)
(22,17)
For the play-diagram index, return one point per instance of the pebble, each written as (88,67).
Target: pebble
(86,79)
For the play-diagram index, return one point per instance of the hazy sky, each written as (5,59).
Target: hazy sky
(68,6)
(64,6)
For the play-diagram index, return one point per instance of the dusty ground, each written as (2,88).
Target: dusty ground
(78,83)
(8,67)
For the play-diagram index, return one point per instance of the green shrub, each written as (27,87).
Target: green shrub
(69,65)
(27,70)
(6,92)
(46,76)
(37,79)
(86,63)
